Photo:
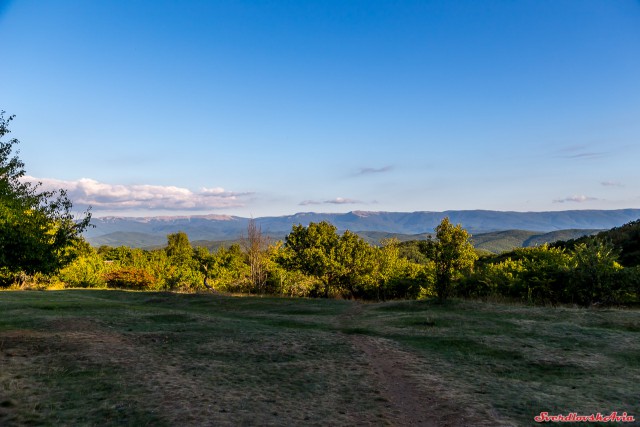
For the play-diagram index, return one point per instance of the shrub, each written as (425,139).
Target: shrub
(84,271)
(594,273)
(129,278)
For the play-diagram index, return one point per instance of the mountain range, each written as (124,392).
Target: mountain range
(152,231)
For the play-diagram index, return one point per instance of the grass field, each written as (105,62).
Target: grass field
(94,357)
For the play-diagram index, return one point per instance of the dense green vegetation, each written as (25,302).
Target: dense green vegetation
(317,261)
(508,240)
(41,246)
(97,357)
(313,261)
(588,274)
(494,242)
(626,239)
(600,269)
(38,233)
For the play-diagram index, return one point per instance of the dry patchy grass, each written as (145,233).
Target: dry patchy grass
(129,358)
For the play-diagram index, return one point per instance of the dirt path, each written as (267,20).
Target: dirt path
(415,396)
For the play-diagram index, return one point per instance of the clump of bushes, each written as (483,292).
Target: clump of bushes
(316,261)
(586,275)
(129,278)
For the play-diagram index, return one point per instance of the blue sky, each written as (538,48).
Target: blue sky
(258,108)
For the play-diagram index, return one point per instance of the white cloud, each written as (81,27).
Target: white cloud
(336,201)
(342,201)
(103,196)
(575,199)
(611,184)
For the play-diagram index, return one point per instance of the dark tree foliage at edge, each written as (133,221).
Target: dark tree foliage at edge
(38,232)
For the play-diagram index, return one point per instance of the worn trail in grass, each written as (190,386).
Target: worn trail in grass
(128,358)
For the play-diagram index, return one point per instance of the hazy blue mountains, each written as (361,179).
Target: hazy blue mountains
(152,231)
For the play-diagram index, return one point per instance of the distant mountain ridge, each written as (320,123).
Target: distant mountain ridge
(148,231)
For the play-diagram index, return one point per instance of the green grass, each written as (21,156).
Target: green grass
(96,357)
(525,360)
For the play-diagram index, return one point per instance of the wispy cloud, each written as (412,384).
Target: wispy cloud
(99,195)
(342,201)
(585,155)
(611,184)
(336,201)
(369,171)
(575,199)
(580,151)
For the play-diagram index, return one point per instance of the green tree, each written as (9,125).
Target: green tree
(544,274)
(356,265)
(343,263)
(228,270)
(179,248)
(287,281)
(395,275)
(313,251)
(452,253)
(183,270)
(593,277)
(38,232)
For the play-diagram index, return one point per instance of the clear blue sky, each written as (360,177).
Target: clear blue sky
(275,107)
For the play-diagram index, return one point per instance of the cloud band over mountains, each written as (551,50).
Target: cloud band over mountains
(336,201)
(88,192)
(577,198)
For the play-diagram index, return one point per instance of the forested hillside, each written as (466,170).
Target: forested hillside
(495,242)
(507,240)
(626,240)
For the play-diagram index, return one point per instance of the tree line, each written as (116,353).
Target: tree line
(313,261)
(41,244)
(317,261)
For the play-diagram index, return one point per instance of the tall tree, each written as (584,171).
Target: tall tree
(38,232)
(341,262)
(179,248)
(313,251)
(452,253)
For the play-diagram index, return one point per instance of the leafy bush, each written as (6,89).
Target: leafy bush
(86,271)
(535,275)
(129,278)
(594,273)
